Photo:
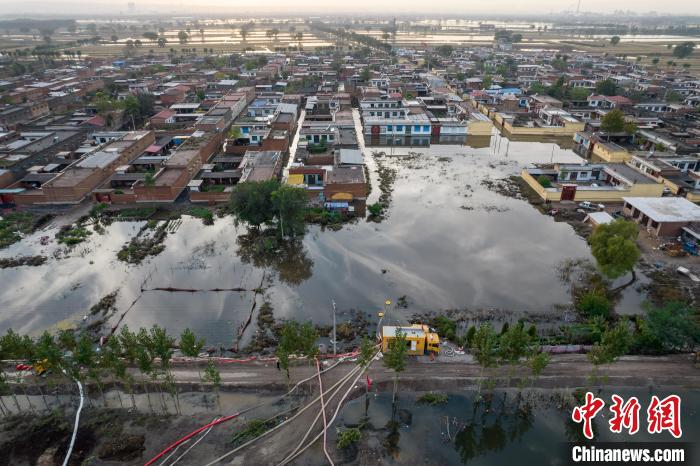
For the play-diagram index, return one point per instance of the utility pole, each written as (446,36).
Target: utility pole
(334,333)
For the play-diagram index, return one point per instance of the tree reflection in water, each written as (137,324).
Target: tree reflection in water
(492,428)
(287,257)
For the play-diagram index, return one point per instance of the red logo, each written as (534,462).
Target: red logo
(587,412)
(625,415)
(665,415)
(662,415)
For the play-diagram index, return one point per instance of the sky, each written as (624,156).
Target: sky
(360,7)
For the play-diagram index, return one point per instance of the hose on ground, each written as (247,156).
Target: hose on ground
(233,416)
(335,415)
(323,410)
(76,424)
(226,455)
(192,446)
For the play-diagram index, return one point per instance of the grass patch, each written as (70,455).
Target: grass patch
(31,261)
(70,235)
(139,248)
(203,213)
(137,213)
(253,429)
(13,226)
(432,399)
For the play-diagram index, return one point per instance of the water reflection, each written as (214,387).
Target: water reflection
(448,242)
(528,427)
(286,257)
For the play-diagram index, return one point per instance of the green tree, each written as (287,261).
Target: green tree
(578,93)
(674,326)
(149,179)
(251,202)
(213,376)
(514,344)
(150,35)
(190,345)
(182,36)
(445,50)
(606,87)
(395,358)
(367,352)
(484,349)
(614,40)
(289,204)
(615,342)
(613,121)
(614,247)
(684,50)
(487,82)
(47,350)
(297,339)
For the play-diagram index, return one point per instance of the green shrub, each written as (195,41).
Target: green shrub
(594,303)
(347,437)
(205,214)
(446,327)
(544,181)
(375,210)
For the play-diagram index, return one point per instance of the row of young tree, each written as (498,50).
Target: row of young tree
(79,357)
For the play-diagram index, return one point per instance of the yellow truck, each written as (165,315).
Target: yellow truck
(419,338)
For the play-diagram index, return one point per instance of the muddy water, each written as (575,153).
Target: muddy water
(531,429)
(447,242)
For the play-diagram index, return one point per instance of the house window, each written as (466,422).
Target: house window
(390,128)
(394,113)
(416,128)
(426,128)
(246,130)
(399,127)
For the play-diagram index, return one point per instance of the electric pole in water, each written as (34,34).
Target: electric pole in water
(334,334)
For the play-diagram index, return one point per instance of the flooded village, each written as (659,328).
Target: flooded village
(204,217)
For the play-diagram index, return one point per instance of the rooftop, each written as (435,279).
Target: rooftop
(666,209)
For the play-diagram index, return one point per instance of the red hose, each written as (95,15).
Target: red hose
(223,419)
(189,436)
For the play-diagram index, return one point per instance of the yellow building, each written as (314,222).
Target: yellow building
(592,182)
(419,338)
(610,152)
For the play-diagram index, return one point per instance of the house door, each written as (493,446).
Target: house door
(435,130)
(568,192)
(375,129)
(413,345)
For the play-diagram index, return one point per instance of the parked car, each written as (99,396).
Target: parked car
(590,206)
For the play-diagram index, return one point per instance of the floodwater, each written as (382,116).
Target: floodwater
(448,242)
(526,428)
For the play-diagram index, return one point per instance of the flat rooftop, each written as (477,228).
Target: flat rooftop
(666,209)
(628,173)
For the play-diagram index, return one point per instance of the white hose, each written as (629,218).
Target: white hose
(77,422)
(323,410)
(295,454)
(192,446)
(278,426)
